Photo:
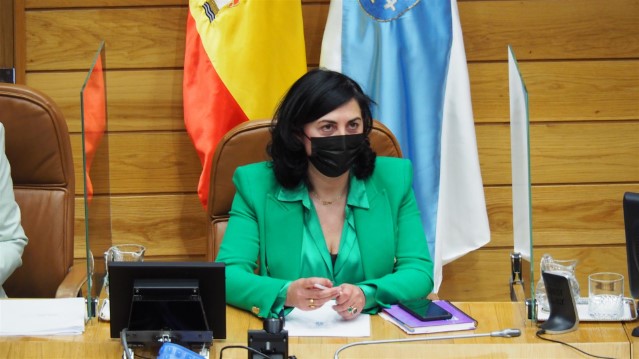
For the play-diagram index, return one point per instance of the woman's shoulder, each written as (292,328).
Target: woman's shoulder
(392,173)
(391,163)
(255,168)
(258,173)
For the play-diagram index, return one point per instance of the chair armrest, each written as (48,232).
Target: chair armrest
(73,282)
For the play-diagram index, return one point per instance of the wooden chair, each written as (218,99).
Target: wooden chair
(39,152)
(246,143)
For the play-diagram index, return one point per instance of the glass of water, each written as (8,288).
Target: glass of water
(605,295)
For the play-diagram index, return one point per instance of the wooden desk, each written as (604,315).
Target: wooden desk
(634,341)
(603,339)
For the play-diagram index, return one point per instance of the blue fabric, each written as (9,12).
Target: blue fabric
(400,58)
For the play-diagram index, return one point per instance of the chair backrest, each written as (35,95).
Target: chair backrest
(39,152)
(246,143)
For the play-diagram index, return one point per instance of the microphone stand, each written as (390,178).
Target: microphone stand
(506,333)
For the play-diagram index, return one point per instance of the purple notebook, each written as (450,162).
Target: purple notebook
(412,325)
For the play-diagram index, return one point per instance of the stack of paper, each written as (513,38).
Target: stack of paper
(34,317)
(411,325)
(325,322)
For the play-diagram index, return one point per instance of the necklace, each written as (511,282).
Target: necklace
(326,202)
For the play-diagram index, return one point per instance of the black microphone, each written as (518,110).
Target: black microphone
(505,333)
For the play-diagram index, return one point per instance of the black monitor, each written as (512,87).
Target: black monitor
(184,301)
(631,221)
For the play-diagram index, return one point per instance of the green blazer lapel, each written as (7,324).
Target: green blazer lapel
(283,237)
(374,227)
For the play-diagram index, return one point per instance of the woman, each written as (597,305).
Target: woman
(325,219)
(12,237)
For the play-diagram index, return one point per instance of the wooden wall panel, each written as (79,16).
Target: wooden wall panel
(167,225)
(136,38)
(559,90)
(146,162)
(138,100)
(549,30)
(591,152)
(563,215)
(6,34)
(579,58)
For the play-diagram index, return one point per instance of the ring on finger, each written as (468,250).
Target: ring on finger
(352,310)
(311,303)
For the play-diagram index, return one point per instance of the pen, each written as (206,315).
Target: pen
(319,286)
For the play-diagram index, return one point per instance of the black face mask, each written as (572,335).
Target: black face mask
(334,155)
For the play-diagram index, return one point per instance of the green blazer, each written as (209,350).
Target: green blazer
(265,232)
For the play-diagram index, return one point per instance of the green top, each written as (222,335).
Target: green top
(316,259)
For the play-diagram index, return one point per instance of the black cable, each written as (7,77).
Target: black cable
(244,347)
(140,356)
(541,331)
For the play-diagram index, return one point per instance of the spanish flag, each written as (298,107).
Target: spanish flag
(241,56)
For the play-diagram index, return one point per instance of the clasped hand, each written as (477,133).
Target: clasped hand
(312,293)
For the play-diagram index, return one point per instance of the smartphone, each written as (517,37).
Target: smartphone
(425,310)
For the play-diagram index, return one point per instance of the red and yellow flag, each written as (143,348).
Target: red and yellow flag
(240,58)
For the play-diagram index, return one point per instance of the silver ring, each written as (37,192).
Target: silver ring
(352,310)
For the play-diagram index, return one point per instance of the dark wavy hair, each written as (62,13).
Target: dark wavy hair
(312,96)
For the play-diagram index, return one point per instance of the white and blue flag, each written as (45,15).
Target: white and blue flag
(408,56)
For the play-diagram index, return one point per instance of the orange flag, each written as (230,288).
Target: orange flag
(240,58)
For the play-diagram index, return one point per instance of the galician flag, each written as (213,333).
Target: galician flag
(408,55)
(241,57)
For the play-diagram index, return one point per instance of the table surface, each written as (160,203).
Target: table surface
(608,339)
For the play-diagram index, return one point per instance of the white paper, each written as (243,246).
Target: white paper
(325,322)
(34,317)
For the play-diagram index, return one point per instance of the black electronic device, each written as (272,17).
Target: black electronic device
(182,302)
(271,341)
(425,309)
(563,316)
(631,222)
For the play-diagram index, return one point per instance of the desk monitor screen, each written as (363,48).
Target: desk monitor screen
(631,222)
(167,281)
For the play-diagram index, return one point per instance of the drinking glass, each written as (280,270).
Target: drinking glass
(605,295)
(122,253)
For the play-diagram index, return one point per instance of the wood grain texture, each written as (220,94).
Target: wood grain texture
(590,152)
(148,37)
(559,90)
(547,29)
(146,162)
(6,34)
(20,30)
(138,100)
(566,215)
(167,225)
